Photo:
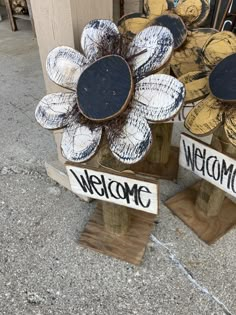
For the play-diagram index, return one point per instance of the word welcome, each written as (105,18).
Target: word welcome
(126,191)
(209,164)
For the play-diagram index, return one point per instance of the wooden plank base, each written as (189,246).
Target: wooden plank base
(167,171)
(129,246)
(209,229)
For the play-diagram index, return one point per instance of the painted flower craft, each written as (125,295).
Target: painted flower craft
(112,90)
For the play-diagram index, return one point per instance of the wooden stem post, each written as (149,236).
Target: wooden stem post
(116,218)
(210,198)
(161,148)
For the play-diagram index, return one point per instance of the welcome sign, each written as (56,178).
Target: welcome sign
(209,164)
(119,189)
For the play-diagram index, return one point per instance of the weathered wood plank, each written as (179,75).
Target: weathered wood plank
(209,164)
(122,189)
(154,47)
(54,110)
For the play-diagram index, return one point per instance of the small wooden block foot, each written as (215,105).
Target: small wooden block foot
(167,171)
(208,228)
(129,246)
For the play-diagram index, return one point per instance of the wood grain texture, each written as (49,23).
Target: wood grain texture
(131,24)
(222,80)
(156,43)
(205,117)
(154,7)
(209,229)
(175,24)
(105,88)
(130,144)
(189,57)
(230,125)
(129,247)
(159,97)
(64,66)
(116,218)
(54,110)
(203,15)
(99,38)
(196,85)
(218,46)
(79,142)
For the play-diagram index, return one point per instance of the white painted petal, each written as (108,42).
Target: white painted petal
(54,110)
(132,142)
(150,50)
(99,38)
(79,142)
(159,97)
(64,66)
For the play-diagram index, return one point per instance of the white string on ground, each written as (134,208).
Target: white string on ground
(188,274)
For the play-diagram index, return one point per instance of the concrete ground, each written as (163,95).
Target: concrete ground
(43,270)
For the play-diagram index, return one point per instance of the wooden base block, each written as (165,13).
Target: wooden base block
(167,171)
(209,229)
(130,246)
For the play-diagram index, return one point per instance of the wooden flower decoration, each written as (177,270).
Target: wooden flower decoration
(219,106)
(112,90)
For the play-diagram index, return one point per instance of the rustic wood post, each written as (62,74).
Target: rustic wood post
(116,218)
(210,198)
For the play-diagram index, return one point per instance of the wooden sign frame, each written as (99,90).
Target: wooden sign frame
(203,206)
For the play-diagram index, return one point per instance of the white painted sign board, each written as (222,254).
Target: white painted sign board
(209,164)
(119,189)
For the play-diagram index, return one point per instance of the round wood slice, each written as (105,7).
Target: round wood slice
(79,142)
(203,15)
(131,24)
(196,85)
(150,50)
(230,126)
(218,46)
(222,80)
(54,110)
(99,38)
(105,88)
(175,24)
(205,117)
(159,97)
(155,7)
(64,66)
(132,142)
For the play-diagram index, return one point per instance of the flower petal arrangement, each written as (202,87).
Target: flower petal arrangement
(112,90)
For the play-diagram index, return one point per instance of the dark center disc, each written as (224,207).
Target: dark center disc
(104,89)
(222,80)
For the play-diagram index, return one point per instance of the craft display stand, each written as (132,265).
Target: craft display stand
(205,207)
(13,17)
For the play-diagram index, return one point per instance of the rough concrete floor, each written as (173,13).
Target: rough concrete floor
(43,270)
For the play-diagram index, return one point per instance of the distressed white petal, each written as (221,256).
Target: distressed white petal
(158,97)
(133,140)
(54,110)
(64,66)
(79,142)
(99,38)
(150,50)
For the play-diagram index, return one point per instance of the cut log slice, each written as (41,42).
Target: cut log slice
(230,126)
(196,85)
(64,66)
(154,7)
(218,46)
(131,142)
(222,80)
(189,57)
(54,110)
(175,24)
(79,142)
(203,15)
(99,38)
(150,50)
(105,88)
(205,117)
(159,97)
(131,24)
